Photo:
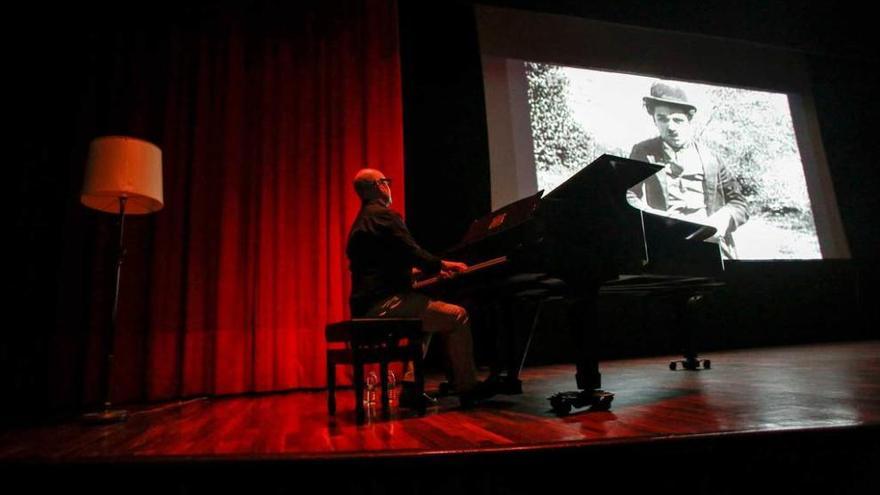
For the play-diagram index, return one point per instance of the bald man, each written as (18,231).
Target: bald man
(382,255)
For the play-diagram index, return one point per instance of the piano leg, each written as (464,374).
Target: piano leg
(689,305)
(583,327)
(504,373)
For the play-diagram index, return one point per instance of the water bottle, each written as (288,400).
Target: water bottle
(370,384)
(392,387)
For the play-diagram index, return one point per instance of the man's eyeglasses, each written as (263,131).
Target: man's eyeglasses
(384,180)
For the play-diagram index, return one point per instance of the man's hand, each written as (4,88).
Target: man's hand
(449,269)
(721,220)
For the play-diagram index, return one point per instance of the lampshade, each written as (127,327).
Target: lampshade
(121,166)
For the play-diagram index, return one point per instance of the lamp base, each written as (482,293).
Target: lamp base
(105,417)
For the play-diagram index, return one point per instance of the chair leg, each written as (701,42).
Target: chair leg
(331,387)
(360,414)
(386,406)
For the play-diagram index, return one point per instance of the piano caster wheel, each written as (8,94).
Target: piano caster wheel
(692,364)
(560,408)
(602,402)
(597,400)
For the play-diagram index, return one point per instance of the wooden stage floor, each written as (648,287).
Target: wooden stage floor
(829,386)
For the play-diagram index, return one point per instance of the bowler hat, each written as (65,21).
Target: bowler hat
(668,93)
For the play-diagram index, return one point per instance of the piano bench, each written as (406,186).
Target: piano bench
(373,340)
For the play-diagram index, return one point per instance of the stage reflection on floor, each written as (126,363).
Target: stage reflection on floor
(747,391)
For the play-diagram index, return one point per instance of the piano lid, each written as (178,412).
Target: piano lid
(612,173)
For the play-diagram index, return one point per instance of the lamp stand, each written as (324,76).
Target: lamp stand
(110,415)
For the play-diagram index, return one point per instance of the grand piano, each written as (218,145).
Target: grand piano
(581,240)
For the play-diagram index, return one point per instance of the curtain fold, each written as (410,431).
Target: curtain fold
(263,117)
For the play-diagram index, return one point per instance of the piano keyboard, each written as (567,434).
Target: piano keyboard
(471,269)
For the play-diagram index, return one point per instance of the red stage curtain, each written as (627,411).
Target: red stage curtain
(263,121)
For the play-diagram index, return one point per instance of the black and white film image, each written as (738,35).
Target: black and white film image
(738,143)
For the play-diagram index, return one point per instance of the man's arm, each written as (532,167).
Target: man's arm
(736,205)
(418,256)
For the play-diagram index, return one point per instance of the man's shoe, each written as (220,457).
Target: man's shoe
(410,398)
(480,392)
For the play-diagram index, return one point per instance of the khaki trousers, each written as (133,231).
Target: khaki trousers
(448,321)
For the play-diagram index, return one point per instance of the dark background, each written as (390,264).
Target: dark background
(447,162)
(764,303)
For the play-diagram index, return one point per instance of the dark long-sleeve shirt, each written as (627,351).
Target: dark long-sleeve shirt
(382,253)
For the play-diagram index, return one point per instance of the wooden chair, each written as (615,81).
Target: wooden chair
(373,340)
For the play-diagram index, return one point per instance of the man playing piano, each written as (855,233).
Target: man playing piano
(382,255)
(693,185)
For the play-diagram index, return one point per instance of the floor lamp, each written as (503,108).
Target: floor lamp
(123,177)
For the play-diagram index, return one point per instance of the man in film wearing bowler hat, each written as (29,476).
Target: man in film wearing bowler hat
(693,184)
